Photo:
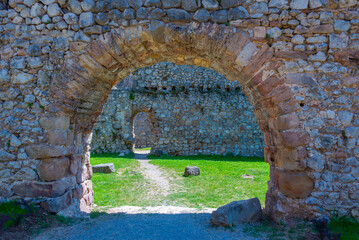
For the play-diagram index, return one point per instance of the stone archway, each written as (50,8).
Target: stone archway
(81,87)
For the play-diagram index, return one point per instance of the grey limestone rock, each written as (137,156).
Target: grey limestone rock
(229,3)
(191,171)
(141,13)
(102,18)
(189,5)
(53,10)
(153,3)
(120,4)
(238,13)
(202,15)
(171,3)
(220,16)
(299,4)
(210,4)
(179,15)
(75,6)
(129,14)
(104,168)
(71,18)
(136,4)
(88,5)
(86,19)
(237,212)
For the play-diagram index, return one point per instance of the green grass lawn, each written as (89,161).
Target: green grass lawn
(126,186)
(142,149)
(220,181)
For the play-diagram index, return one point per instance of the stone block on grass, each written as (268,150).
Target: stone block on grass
(104,168)
(191,170)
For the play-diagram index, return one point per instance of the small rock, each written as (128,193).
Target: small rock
(141,13)
(220,16)
(274,32)
(202,15)
(237,212)
(87,19)
(29,3)
(210,4)
(153,3)
(318,3)
(53,10)
(299,4)
(136,4)
(6,157)
(229,3)
(191,170)
(179,15)
(278,3)
(22,78)
(34,50)
(75,6)
(298,39)
(341,26)
(88,5)
(259,7)
(189,5)
(71,18)
(338,41)
(157,14)
(120,4)
(247,176)
(104,168)
(171,3)
(121,154)
(102,18)
(237,13)
(129,14)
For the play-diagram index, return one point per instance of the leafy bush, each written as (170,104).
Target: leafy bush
(12,212)
(346,227)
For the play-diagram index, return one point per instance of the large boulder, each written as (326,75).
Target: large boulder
(104,168)
(237,212)
(191,170)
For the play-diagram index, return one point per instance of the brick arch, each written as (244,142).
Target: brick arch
(81,87)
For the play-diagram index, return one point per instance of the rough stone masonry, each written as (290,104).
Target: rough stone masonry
(296,60)
(189,110)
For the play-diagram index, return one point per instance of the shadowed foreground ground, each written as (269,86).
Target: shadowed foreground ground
(145,226)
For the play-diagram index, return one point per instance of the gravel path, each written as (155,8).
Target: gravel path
(153,173)
(157,223)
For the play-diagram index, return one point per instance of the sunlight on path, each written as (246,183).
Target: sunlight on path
(153,173)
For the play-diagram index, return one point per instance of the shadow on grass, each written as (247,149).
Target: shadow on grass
(219,158)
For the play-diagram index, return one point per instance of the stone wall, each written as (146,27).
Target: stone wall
(192,110)
(296,60)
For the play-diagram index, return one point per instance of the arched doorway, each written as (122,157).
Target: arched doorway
(81,88)
(141,131)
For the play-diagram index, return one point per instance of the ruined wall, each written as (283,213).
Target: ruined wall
(192,110)
(297,62)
